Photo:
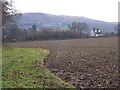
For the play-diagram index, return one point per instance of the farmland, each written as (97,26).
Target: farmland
(85,63)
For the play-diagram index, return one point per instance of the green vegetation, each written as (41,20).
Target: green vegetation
(23,68)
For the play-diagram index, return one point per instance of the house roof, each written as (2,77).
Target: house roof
(97,31)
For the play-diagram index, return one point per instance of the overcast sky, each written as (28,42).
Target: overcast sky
(105,10)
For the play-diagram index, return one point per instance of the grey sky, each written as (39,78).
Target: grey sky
(105,10)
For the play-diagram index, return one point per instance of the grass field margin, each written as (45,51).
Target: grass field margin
(24,68)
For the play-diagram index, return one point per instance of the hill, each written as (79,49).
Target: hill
(53,21)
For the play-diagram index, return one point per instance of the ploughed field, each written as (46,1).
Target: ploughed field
(85,63)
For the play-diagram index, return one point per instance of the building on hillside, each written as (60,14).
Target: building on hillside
(95,33)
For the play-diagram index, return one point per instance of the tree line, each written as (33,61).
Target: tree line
(16,34)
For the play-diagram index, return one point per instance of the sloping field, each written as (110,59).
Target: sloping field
(24,68)
(85,63)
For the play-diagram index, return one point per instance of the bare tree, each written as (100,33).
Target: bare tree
(9,16)
(8,12)
(78,27)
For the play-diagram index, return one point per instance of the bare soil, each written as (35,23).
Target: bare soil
(85,63)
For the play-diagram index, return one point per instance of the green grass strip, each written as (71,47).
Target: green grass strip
(23,68)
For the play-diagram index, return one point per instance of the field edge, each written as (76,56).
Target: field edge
(43,77)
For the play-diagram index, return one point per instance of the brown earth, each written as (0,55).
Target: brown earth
(85,63)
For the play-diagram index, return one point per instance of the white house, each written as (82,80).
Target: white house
(95,33)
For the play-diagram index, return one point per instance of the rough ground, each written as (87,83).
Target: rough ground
(85,63)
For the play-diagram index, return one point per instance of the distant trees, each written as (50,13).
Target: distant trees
(75,30)
(34,28)
(13,33)
(79,27)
